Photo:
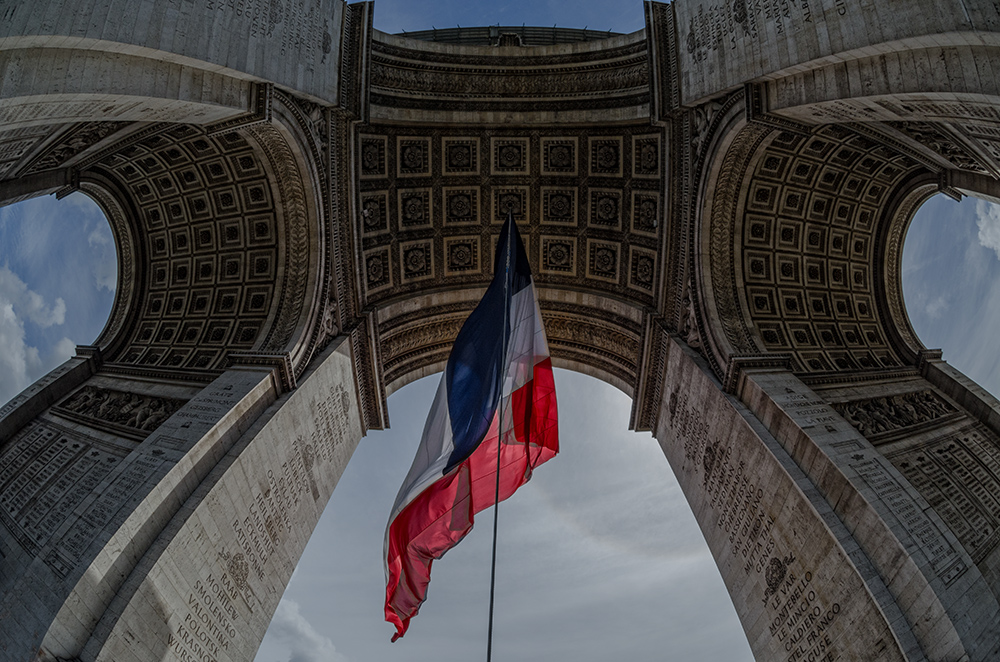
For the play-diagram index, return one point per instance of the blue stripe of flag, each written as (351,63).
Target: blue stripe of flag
(475,367)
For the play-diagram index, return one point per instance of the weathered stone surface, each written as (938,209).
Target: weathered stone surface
(306,210)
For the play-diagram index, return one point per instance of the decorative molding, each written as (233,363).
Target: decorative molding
(417,79)
(722,257)
(258,112)
(756,111)
(355,60)
(295,280)
(281,363)
(739,365)
(79,139)
(649,381)
(661,43)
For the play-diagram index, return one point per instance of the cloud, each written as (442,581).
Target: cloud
(105,262)
(28,303)
(305,643)
(20,363)
(988,220)
(934,309)
(17,359)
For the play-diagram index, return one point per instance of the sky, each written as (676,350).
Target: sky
(599,555)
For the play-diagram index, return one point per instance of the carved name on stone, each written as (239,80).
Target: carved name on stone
(959,475)
(45,474)
(942,556)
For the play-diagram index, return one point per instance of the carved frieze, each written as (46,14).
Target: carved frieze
(73,143)
(100,406)
(937,139)
(587,79)
(875,416)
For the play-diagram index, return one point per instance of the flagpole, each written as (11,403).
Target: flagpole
(496,494)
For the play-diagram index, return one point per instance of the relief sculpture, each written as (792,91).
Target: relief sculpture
(132,410)
(878,415)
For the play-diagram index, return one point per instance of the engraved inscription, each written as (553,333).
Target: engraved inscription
(959,476)
(45,474)
(940,553)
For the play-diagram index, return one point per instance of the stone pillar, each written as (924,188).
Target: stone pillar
(211,580)
(101,517)
(826,552)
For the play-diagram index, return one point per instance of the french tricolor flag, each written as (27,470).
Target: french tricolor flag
(496,398)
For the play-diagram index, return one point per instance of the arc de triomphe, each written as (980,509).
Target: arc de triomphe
(305,209)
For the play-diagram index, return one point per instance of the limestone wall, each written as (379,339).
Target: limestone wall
(801,587)
(720,45)
(292,43)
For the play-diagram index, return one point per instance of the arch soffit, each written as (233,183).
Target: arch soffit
(221,243)
(792,240)
(587,332)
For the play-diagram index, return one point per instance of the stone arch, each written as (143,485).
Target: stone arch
(348,208)
(796,230)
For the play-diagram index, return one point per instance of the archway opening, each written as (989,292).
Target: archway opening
(58,277)
(951,283)
(599,556)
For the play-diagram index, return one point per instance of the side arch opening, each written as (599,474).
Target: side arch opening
(950,276)
(59,276)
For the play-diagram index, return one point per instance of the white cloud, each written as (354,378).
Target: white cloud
(105,261)
(20,363)
(988,220)
(17,359)
(304,642)
(27,303)
(936,308)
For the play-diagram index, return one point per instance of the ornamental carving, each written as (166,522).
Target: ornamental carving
(875,416)
(414,157)
(559,156)
(937,139)
(131,410)
(461,155)
(606,157)
(373,159)
(461,205)
(79,139)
